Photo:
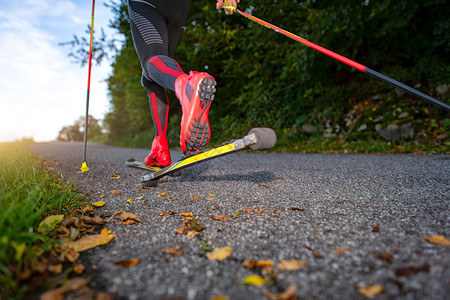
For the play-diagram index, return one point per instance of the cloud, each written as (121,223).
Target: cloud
(41,91)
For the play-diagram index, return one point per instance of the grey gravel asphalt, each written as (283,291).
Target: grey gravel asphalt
(339,199)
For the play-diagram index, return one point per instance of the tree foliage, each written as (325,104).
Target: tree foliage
(75,132)
(266,79)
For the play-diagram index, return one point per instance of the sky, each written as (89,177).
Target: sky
(41,89)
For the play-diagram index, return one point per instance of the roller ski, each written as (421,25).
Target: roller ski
(256,139)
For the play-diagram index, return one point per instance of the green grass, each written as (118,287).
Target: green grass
(28,193)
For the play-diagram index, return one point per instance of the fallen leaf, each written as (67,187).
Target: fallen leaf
(288,294)
(386,256)
(115,176)
(340,251)
(162,195)
(186,214)
(96,220)
(102,196)
(88,242)
(173,251)
(438,239)
(219,253)
(126,263)
(259,211)
(263,185)
(220,218)
(371,291)
(74,284)
(139,198)
(124,216)
(49,223)
(127,222)
(194,225)
(183,229)
(236,214)
(296,208)
(129,201)
(205,246)
(376,228)
(99,203)
(252,263)
(335,197)
(249,210)
(216,206)
(407,271)
(168,213)
(79,269)
(195,198)
(291,265)
(105,231)
(211,195)
(85,208)
(255,280)
(115,192)
(192,234)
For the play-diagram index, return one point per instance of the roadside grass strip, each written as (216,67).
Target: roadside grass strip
(29,192)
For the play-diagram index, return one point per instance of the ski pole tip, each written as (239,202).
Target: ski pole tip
(84,167)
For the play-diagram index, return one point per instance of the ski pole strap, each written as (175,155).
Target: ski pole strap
(340,58)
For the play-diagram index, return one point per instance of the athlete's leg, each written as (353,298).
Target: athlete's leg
(159,106)
(150,38)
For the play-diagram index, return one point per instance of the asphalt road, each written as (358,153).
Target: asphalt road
(321,208)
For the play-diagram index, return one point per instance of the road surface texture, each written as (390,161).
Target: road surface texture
(357,220)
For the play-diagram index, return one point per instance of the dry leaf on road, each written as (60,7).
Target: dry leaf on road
(291,265)
(173,251)
(371,291)
(288,294)
(89,241)
(219,253)
(126,263)
(438,239)
(125,216)
(220,218)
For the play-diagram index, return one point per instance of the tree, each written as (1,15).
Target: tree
(266,79)
(75,132)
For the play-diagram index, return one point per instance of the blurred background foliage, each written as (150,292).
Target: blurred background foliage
(314,102)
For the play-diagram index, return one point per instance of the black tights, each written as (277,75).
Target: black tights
(156,28)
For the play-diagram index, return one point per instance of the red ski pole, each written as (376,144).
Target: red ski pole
(343,59)
(84,166)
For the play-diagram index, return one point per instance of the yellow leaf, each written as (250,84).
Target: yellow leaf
(291,265)
(196,198)
(49,223)
(438,239)
(89,241)
(105,231)
(163,195)
(20,249)
(139,198)
(129,201)
(186,214)
(219,253)
(254,280)
(99,203)
(371,290)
